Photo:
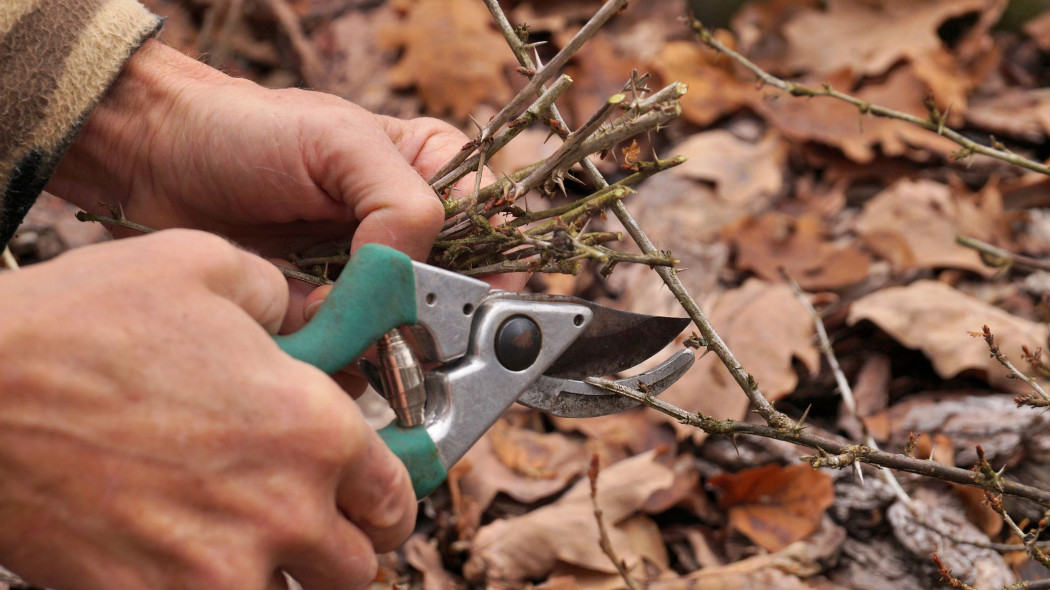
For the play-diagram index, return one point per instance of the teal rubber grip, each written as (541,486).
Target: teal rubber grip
(375,294)
(416,450)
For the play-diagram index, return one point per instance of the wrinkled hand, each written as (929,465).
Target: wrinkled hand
(155,437)
(179,144)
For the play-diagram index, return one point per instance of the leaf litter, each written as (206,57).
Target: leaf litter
(862,212)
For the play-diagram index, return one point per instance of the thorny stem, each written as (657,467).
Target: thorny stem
(934,124)
(999,258)
(711,339)
(828,446)
(603,535)
(1043,399)
(536,83)
(947,578)
(531,115)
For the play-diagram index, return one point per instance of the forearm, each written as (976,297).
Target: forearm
(119,138)
(56,61)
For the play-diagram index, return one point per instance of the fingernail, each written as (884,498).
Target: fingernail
(311,310)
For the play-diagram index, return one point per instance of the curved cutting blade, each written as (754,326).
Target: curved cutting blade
(569,398)
(615,341)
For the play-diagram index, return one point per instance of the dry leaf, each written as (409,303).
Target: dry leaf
(623,435)
(598,71)
(775,506)
(451,55)
(527,547)
(1019,113)
(714,89)
(913,224)
(868,38)
(741,171)
(775,241)
(424,556)
(792,568)
(937,319)
(526,465)
(768,330)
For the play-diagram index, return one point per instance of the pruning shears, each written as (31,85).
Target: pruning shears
(454,354)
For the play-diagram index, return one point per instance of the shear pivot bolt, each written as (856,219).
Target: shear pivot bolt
(518,343)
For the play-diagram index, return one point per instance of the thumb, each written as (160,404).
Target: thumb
(393,203)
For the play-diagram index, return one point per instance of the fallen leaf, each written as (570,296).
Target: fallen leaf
(423,555)
(913,224)
(1018,113)
(623,435)
(527,547)
(792,568)
(775,506)
(741,171)
(451,55)
(715,90)
(354,66)
(870,37)
(937,319)
(522,463)
(768,329)
(775,241)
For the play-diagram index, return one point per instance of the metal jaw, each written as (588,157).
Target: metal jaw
(465,399)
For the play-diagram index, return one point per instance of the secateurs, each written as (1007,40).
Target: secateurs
(465,352)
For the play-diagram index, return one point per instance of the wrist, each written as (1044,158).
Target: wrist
(111,155)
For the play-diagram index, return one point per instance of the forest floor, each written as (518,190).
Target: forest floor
(862,212)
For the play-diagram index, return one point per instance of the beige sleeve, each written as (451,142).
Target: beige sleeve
(57,58)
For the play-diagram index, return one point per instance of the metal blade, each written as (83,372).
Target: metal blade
(569,398)
(615,341)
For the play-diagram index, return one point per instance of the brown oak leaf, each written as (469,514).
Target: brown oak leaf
(450,54)
(775,506)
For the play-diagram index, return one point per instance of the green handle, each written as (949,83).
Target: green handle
(416,450)
(375,294)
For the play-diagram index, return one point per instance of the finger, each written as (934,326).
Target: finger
(252,283)
(375,493)
(395,206)
(299,293)
(343,559)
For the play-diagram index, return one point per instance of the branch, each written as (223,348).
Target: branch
(834,451)
(999,258)
(1041,399)
(934,124)
(535,85)
(603,535)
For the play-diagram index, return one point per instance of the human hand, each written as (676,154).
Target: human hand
(154,435)
(179,144)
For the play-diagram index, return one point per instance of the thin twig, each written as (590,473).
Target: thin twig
(831,447)
(535,85)
(999,258)
(934,124)
(847,393)
(1043,399)
(603,535)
